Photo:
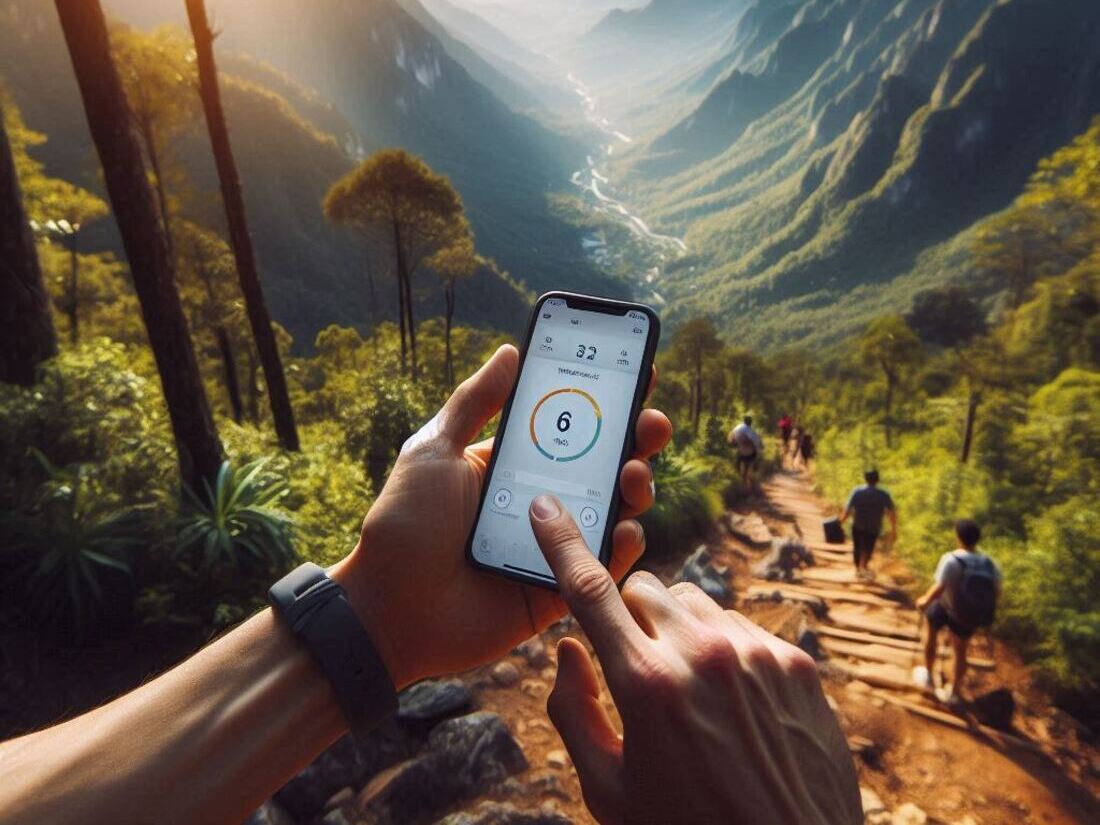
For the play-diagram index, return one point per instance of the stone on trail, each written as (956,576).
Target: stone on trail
(786,557)
(505,674)
(807,640)
(534,652)
(270,813)
(713,580)
(909,814)
(432,701)
(995,709)
(464,758)
(750,529)
(872,803)
(505,813)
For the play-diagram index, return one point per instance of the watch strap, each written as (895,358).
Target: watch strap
(317,610)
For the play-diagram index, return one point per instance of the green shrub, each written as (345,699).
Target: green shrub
(64,563)
(235,526)
(685,509)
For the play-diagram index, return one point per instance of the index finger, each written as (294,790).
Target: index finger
(587,587)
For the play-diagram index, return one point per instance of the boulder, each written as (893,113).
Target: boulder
(534,652)
(270,813)
(750,529)
(464,757)
(348,763)
(872,802)
(808,641)
(505,674)
(429,702)
(909,814)
(505,813)
(712,580)
(786,557)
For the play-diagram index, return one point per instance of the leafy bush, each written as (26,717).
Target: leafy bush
(64,559)
(685,509)
(234,525)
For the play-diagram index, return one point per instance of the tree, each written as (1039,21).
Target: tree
(946,316)
(693,344)
(142,230)
(890,346)
(206,267)
(56,208)
(452,263)
(396,192)
(159,81)
(233,197)
(27,336)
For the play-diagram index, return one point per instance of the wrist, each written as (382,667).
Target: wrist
(369,604)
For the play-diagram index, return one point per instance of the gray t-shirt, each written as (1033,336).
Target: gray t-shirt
(868,505)
(949,573)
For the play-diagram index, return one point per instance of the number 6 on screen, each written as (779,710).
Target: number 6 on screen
(567,429)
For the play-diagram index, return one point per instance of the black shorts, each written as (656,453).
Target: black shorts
(863,544)
(743,460)
(938,616)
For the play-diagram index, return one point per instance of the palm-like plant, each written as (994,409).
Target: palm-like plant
(235,523)
(63,552)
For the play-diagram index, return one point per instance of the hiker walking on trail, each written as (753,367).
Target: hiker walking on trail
(963,598)
(804,449)
(786,429)
(749,447)
(867,505)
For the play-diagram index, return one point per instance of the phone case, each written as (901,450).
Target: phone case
(593,303)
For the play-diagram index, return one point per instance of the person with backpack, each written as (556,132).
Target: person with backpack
(786,428)
(867,506)
(749,446)
(963,598)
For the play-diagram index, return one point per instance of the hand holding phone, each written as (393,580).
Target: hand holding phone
(566,429)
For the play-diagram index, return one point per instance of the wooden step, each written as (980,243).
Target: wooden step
(884,623)
(888,655)
(829,595)
(955,721)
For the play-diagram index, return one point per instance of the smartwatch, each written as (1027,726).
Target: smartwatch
(317,611)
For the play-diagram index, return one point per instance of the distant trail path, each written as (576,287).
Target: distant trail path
(870,637)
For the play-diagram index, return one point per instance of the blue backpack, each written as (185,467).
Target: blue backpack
(974,602)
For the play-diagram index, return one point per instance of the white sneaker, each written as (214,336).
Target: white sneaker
(922,678)
(948,696)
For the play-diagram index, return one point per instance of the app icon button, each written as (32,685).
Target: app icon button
(589,517)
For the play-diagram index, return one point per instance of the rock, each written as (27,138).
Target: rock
(270,813)
(807,640)
(505,674)
(464,757)
(879,818)
(786,557)
(557,759)
(714,581)
(535,688)
(505,813)
(872,803)
(995,709)
(340,816)
(347,763)
(750,529)
(909,814)
(339,799)
(429,702)
(534,652)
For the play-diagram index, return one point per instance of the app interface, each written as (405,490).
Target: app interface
(565,431)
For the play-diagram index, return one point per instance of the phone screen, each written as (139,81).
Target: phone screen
(565,432)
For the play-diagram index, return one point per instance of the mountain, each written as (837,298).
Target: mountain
(839,164)
(289,146)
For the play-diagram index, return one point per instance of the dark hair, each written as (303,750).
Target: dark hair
(748,420)
(968,531)
(871,476)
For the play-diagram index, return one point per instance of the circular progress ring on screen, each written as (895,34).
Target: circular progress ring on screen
(595,434)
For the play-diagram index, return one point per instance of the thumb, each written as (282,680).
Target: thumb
(594,746)
(479,397)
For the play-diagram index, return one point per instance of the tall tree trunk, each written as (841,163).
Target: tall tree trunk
(411,323)
(153,153)
(971,417)
(399,265)
(225,348)
(233,196)
(139,222)
(448,318)
(74,285)
(253,389)
(27,336)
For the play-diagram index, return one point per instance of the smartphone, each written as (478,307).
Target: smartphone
(567,429)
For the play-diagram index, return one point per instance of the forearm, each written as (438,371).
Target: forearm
(206,742)
(931,593)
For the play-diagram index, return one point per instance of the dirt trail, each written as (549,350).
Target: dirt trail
(913,749)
